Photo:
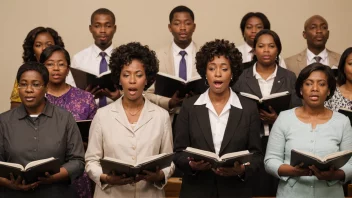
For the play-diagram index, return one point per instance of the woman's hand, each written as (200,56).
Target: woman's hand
(266,117)
(48,179)
(113,179)
(19,183)
(199,166)
(331,174)
(237,169)
(294,171)
(156,176)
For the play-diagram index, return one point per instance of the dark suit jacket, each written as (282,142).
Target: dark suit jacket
(242,133)
(284,81)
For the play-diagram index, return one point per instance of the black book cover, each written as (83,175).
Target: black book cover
(119,167)
(84,79)
(338,161)
(166,85)
(84,126)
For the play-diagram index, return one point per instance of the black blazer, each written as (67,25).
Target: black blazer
(284,81)
(242,133)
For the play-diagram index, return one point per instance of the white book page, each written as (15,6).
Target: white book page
(337,154)
(194,78)
(19,166)
(202,153)
(310,155)
(151,158)
(235,154)
(83,120)
(345,109)
(118,161)
(275,95)
(104,73)
(248,95)
(37,162)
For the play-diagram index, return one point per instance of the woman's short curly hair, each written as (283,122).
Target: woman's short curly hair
(125,54)
(28,52)
(218,48)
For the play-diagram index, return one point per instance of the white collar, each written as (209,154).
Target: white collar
(247,48)
(233,100)
(176,49)
(323,55)
(258,76)
(97,50)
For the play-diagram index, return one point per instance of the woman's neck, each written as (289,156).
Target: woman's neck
(132,104)
(218,98)
(58,89)
(37,109)
(265,70)
(314,111)
(348,86)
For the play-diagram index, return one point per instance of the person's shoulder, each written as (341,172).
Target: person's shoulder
(157,109)
(82,93)
(8,115)
(333,53)
(83,52)
(339,118)
(247,103)
(288,73)
(164,49)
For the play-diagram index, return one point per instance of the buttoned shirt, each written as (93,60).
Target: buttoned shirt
(53,133)
(323,55)
(218,122)
(188,57)
(265,86)
(289,133)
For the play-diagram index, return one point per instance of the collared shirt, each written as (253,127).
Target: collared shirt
(218,122)
(53,133)
(247,54)
(89,60)
(265,88)
(189,58)
(324,57)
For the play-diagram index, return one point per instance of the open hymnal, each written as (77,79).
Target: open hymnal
(337,159)
(32,170)
(150,163)
(278,101)
(85,78)
(166,85)
(225,160)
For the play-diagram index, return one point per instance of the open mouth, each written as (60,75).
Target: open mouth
(218,84)
(314,97)
(132,91)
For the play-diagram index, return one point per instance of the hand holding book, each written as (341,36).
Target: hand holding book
(268,117)
(237,169)
(199,166)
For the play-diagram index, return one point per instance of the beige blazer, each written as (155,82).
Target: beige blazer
(166,65)
(299,61)
(111,135)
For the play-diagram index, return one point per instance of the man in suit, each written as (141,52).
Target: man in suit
(316,32)
(173,56)
(95,58)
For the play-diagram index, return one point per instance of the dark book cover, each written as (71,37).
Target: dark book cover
(166,85)
(84,79)
(346,112)
(121,168)
(31,174)
(84,126)
(338,161)
(278,101)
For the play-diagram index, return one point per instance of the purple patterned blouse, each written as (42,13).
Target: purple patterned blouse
(77,101)
(82,106)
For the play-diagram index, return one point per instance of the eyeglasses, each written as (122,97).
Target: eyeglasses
(34,86)
(52,65)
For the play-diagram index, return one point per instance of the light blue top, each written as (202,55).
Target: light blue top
(289,133)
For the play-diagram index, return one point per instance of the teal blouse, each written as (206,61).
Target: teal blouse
(289,133)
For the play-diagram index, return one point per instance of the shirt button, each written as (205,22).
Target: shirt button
(133,158)
(312,141)
(35,150)
(133,147)
(35,138)
(36,128)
